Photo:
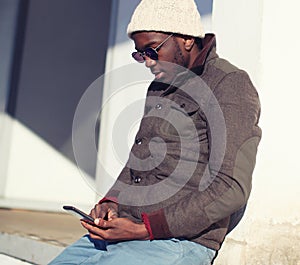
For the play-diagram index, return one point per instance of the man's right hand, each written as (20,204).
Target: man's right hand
(105,210)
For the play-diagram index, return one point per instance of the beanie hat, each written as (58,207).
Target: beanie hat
(174,16)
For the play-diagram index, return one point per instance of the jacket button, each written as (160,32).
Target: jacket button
(138,141)
(137,179)
(158,106)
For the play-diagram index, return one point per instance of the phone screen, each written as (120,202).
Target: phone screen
(78,213)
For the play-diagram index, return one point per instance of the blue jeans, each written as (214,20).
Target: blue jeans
(155,252)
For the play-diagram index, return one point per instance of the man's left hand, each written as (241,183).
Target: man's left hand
(117,229)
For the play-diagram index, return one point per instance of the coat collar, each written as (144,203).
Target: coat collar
(209,43)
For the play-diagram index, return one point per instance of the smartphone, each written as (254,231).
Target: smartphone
(73,210)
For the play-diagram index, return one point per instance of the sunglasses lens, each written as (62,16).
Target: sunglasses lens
(138,57)
(151,53)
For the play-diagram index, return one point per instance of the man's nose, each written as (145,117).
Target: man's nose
(149,62)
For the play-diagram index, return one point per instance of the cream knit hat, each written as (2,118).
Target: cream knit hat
(176,16)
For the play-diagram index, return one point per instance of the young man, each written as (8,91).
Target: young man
(189,172)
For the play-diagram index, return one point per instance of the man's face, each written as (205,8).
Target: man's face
(172,52)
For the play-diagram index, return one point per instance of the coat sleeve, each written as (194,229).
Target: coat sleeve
(231,187)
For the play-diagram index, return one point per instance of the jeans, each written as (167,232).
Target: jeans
(155,252)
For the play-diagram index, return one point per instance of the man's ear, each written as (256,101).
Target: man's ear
(189,43)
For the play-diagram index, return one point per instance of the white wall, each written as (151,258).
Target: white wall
(32,173)
(260,37)
(38,176)
(238,28)
(280,167)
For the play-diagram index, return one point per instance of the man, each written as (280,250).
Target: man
(188,176)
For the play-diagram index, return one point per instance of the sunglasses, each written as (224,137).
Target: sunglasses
(149,52)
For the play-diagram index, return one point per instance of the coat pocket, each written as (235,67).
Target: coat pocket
(181,120)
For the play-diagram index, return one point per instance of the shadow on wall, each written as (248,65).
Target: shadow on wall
(60,48)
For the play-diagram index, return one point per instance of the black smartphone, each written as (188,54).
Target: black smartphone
(73,210)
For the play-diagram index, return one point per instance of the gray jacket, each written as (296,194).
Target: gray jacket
(191,165)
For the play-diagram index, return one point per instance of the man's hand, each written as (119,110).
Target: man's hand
(105,210)
(116,229)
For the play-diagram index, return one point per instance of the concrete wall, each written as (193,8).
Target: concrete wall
(51,51)
(8,15)
(260,36)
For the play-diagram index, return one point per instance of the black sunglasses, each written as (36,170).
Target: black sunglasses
(149,52)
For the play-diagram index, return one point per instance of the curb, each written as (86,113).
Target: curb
(29,249)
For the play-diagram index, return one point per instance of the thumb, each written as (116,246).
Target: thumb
(111,214)
(100,222)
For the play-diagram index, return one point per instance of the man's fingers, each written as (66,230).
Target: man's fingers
(92,213)
(85,224)
(101,210)
(94,236)
(102,223)
(95,232)
(105,211)
(112,214)
(98,225)
(97,210)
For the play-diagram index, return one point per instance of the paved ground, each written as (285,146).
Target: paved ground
(6,260)
(36,236)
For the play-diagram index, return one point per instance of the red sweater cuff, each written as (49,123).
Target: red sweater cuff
(147,224)
(157,225)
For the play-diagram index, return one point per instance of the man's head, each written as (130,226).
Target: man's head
(166,31)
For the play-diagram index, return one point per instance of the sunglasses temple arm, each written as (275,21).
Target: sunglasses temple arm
(163,42)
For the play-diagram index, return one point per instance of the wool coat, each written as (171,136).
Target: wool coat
(190,168)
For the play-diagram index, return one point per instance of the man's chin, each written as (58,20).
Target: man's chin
(163,79)
(159,76)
